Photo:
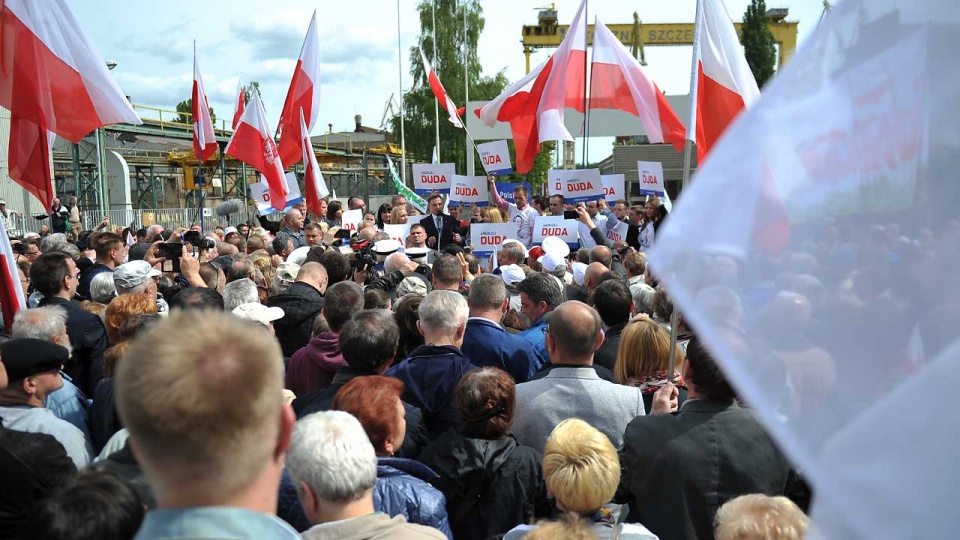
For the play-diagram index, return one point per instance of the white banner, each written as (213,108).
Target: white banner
(495,157)
(469,189)
(619,232)
(613,187)
(398,232)
(545,226)
(261,193)
(576,185)
(487,237)
(430,177)
(651,177)
(351,220)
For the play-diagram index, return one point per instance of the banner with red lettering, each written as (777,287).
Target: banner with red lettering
(619,232)
(566,229)
(495,157)
(487,237)
(469,190)
(613,187)
(260,192)
(398,232)
(430,177)
(576,185)
(651,177)
(351,220)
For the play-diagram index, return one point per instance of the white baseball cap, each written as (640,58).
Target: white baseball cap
(511,274)
(579,272)
(257,312)
(551,261)
(554,245)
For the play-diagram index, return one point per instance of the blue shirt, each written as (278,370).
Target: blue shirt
(537,336)
(213,522)
(68,403)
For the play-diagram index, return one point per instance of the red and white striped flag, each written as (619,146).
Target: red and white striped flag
(439,92)
(204,138)
(314,188)
(53,79)
(252,143)
(241,102)
(617,81)
(11,292)
(724,84)
(304,94)
(534,106)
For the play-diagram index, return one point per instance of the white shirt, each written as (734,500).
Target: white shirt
(524,220)
(585,240)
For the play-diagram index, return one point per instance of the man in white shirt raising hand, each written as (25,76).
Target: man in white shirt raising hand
(520,213)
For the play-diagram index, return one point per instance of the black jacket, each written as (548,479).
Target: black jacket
(491,486)
(679,468)
(104,420)
(322,400)
(301,304)
(450,226)
(606,355)
(88,337)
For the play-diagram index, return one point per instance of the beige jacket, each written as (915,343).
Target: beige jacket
(376,526)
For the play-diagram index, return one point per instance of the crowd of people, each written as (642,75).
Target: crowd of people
(276,380)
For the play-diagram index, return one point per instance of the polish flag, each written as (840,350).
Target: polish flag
(238,110)
(252,143)
(304,94)
(53,80)
(11,292)
(314,188)
(618,82)
(534,105)
(724,84)
(204,138)
(440,93)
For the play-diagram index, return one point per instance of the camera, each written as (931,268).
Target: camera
(364,258)
(199,241)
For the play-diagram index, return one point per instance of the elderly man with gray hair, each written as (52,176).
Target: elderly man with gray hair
(49,323)
(239,292)
(432,370)
(334,468)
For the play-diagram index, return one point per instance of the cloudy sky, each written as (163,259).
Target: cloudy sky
(152,43)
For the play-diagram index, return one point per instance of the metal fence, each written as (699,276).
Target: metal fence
(136,219)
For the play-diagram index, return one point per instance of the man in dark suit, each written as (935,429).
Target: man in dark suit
(614,303)
(679,468)
(56,277)
(442,229)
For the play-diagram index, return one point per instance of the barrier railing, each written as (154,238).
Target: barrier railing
(140,218)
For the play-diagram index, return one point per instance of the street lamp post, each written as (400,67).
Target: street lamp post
(101,176)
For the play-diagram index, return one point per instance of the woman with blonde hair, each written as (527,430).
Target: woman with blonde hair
(758,516)
(643,359)
(582,472)
(398,216)
(493,216)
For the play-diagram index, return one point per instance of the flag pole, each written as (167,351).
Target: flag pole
(586,82)
(436,104)
(403,139)
(199,185)
(466,95)
(687,152)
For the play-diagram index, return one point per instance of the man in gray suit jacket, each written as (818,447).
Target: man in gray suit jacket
(573,389)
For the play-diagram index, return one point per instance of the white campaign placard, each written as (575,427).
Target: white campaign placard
(576,185)
(651,177)
(487,237)
(613,187)
(495,157)
(261,193)
(469,190)
(545,226)
(351,220)
(619,232)
(430,177)
(398,232)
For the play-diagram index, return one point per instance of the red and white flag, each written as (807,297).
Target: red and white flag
(440,93)
(617,81)
(252,143)
(241,102)
(724,84)
(534,106)
(204,138)
(53,79)
(314,187)
(11,292)
(304,94)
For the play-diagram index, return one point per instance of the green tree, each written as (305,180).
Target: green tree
(248,90)
(185,108)
(758,44)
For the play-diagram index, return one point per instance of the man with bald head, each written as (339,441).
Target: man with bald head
(301,303)
(293,228)
(573,389)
